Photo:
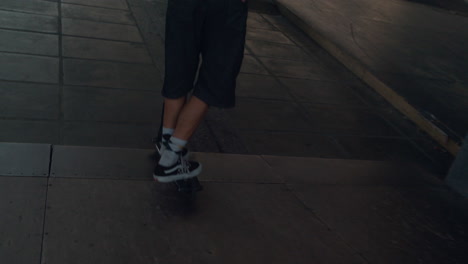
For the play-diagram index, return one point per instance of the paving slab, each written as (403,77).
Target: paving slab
(251,65)
(323,92)
(227,138)
(114,4)
(30,22)
(31,6)
(261,86)
(18,67)
(140,4)
(115,105)
(396,149)
(398,255)
(141,222)
(385,225)
(27,100)
(277,50)
(311,70)
(111,74)
(357,214)
(268,115)
(97,14)
(86,48)
(255,20)
(22,206)
(110,134)
(442,206)
(268,35)
(19,159)
(307,170)
(292,32)
(202,140)
(94,162)
(333,67)
(235,168)
(348,121)
(434,55)
(26,42)
(29,131)
(85,28)
(297,144)
(150,17)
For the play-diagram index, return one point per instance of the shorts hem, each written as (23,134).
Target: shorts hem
(213,103)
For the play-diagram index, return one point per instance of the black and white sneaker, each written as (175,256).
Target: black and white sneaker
(182,169)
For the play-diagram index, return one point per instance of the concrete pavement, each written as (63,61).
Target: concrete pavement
(90,73)
(100,205)
(74,73)
(81,79)
(413,55)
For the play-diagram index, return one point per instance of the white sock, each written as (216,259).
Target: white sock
(169,157)
(167,131)
(177,144)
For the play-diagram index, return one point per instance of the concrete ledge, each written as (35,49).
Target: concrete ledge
(138,164)
(24,159)
(107,163)
(359,69)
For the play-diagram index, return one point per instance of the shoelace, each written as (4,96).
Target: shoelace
(184,165)
(165,143)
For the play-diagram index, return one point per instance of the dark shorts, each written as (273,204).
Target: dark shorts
(214,29)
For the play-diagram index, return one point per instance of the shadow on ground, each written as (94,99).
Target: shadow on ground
(263,7)
(457,6)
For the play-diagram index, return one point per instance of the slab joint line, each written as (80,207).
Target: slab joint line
(45,205)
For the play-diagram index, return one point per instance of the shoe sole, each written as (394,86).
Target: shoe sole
(167,179)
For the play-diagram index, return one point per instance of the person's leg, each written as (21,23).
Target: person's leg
(172,110)
(182,47)
(182,119)
(184,19)
(173,164)
(222,47)
(190,118)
